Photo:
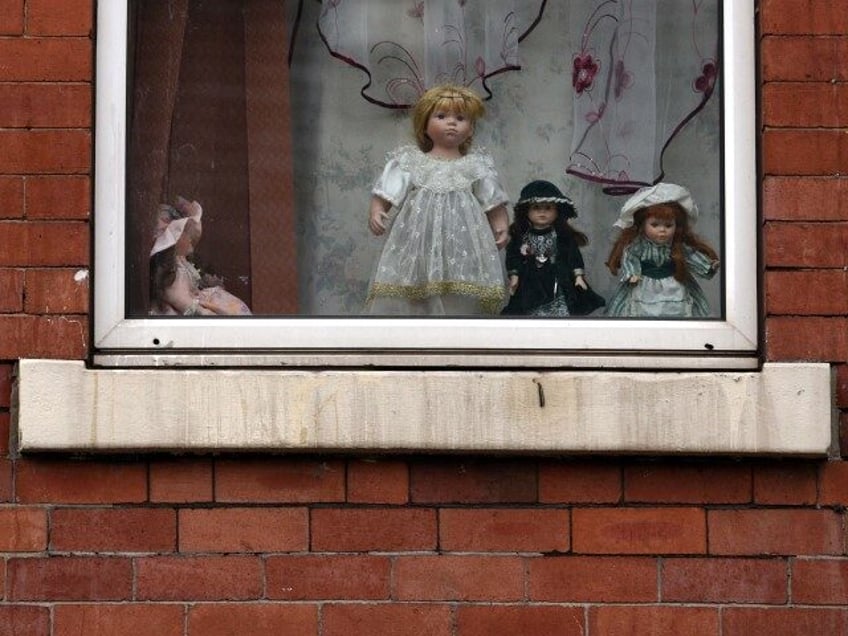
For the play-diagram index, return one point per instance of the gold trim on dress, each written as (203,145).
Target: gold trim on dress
(491,298)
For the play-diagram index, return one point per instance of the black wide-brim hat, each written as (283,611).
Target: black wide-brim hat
(546,192)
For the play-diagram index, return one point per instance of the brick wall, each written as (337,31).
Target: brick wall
(452,546)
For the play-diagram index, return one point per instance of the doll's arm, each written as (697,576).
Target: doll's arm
(499,222)
(631,267)
(701,264)
(181,297)
(378,216)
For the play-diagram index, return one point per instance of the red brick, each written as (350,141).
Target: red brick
(785,484)
(279,480)
(809,17)
(654,621)
(739,621)
(244,530)
(137,619)
(24,620)
(57,291)
(813,339)
(406,619)
(11,18)
(45,151)
(46,60)
(113,530)
(11,290)
(805,198)
(23,529)
(491,620)
(5,385)
(183,480)
(724,581)
(69,579)
(11,197)
(820,581)
(69,17)
(687,483)
(579,482)
(5,425)
(804,58)
(805,104)
(833,484)
(577,579)
(380,529)
(459,578)
(807,293)
(377,482)
(778,531)
(59,481)
(805,152)
(504,530)
(171,578)
(232,619)
(638,531)
(473,481)
(45,105)
(843,434)
(841,385)
(43,337)
(806,245)
(43,243)
(5,479)
(58,197)
(324,577)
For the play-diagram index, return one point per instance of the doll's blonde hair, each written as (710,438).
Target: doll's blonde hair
(449,97)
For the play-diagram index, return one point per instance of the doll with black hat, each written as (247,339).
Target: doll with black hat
(543,260)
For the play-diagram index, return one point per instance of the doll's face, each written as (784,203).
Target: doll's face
(659,229)
(542,215)
(448,129)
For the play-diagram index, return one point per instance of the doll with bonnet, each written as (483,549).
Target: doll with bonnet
(657,256)
(176,286)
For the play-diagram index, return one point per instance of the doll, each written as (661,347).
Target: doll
(543,260)
(176,286)
(658,256)
(443,212)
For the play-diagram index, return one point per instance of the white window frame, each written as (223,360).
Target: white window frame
(731,343)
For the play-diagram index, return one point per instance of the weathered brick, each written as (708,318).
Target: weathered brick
(805,152)
(821,292)
(777,621)
(579,482)
(279,480)
(804,58)
(805,17)
(173,578)
(136,619)
(653,621)
(833,484)
(406,619)
(381,529)
(459,578)
(638,531)
(475,620)
(70,17)
(69,579)
(724,581)
(5,426)
(43,243)
(815,339)
(58,197)
(11,290)
(229,619)
(24,620)
(11,18)
(113,530)
(820,582)
(805,199)
(806,245)
(24,336)
(244,530)
(46,60)
(23,529)
(841,385)
(5,385)
(785,484)
(328,577)
(473,481)
(5,479)
(45,151)
(504,530)
(675,482)
(11,197)
(377,481)
(774,531)
(805,104)
(57,291)
(45,105)
(58,481)
(577,579)
(183,480)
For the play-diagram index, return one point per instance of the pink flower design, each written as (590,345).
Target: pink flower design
(480,67)
(595,116)
(417,10)
(706,81)
(583,73)
(623,79)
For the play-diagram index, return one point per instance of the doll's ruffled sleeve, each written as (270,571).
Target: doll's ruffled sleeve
(631,264)
(487,186)
(699,263)
(393,183)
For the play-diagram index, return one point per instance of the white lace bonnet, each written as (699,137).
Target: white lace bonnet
(659,193)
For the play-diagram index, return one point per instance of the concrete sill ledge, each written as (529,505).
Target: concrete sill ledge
(785,409)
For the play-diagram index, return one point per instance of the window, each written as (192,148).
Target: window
(282,157)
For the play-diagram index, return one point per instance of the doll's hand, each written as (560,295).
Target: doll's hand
(513,284)
(580,282)
(715,265)
(499,222)
(633,279)
(379,216)
(501,237)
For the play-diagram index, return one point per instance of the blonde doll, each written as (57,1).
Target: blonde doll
(659,256)
(443,212)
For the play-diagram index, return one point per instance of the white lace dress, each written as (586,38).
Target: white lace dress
(439,257)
